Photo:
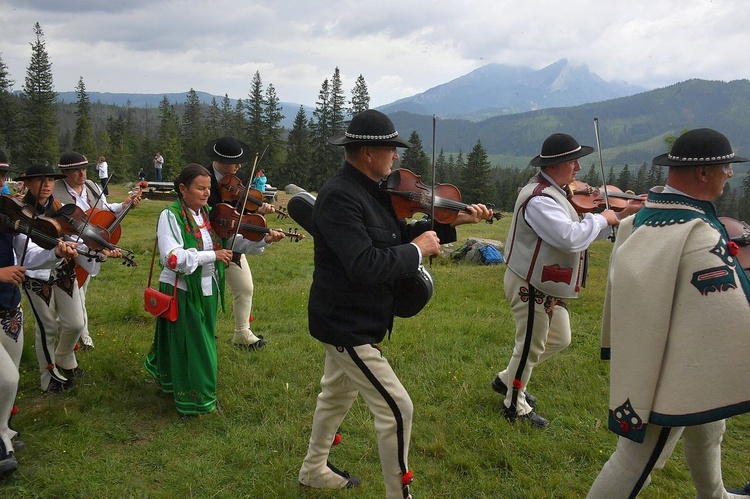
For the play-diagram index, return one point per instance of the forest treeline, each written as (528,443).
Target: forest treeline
(36,128)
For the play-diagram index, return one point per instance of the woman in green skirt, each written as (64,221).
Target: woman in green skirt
(183,356)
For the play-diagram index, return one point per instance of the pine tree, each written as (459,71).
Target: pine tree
(415,159)
(169,141)
(255,105)
(83,140)
(338,104)
(227,118)
(592,176)
(39,139)
(625,179)
(273,129)
(441,167)
(192,130)
(213,121)
(321,131)
(639,185)
(743,207)
(10,120)
(655,176)
(296,169)
(477,185)
(360,97)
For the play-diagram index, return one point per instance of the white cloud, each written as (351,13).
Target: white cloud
(401,48)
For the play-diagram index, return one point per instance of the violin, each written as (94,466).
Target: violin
(17,217)
(111,223)
(281,213)
(225,219)
(409,196)
(739,233)
(231,189)
(74,222)
(587,199)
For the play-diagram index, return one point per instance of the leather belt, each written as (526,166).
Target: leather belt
(4,314)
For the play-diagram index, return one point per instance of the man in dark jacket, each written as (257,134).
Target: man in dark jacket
(361,250)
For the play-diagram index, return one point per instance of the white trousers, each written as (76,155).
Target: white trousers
(350,371)
(542,330)
(628,469)
(11,346)
(239,279)
(55,347)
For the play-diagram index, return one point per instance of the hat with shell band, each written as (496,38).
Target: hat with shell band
(702,146)
(559,148)
(227,150)
(72,160)
(370,128)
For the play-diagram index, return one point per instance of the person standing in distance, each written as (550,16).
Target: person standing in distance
(361,249)
(158,164)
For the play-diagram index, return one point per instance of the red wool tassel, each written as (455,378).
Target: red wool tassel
(14,411)
(337,439)
(517,384)
(407,478)
(250,318)
(50,367)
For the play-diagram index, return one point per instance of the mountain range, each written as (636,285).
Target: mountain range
(499,89)
(511,110)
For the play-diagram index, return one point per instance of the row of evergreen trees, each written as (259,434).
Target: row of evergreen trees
(34,128)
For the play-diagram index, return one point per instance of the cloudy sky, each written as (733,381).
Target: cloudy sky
(400,47)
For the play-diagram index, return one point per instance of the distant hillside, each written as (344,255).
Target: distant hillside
(498,89)
(631,128)
(289,109)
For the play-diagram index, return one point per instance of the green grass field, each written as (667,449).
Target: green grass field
(114,435)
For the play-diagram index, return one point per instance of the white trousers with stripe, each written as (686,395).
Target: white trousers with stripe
(350,371)
(11,346)
(239,279)
(628,469)
(541,332)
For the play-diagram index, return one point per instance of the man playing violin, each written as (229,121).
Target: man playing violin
(75,188)
(361,249)
(675,326)
(227,155)
(546,252)
(16,256)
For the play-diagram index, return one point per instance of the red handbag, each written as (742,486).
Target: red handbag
(157,303)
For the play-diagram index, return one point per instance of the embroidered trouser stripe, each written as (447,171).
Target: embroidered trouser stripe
(43,340)
(658,448)
(517,376)
(391,403)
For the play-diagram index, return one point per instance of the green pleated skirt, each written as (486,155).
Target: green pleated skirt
(182,358)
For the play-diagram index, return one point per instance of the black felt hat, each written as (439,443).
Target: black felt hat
(702,146)
(40,171)
(72,160)
(370,127)
(228,150)
(559,148)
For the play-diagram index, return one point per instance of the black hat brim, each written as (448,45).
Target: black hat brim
(580,153)
(55,176)
(215,156)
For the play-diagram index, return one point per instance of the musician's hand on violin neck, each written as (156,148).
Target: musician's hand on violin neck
(266,208)
(633,206)
(474,213)
(273,236)
(428,243)
(66,249)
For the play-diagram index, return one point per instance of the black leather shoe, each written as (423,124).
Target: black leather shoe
(74,373)
(351,481)
(745,491)
(533,418)
(502,389)
(252,346)
(58,386)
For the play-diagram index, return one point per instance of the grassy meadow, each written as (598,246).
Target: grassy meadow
(114,434)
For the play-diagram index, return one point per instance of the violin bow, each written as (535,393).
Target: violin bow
(432,190)
(247,193)
(92,206)
(256,163)
(604,178)
(31,225)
